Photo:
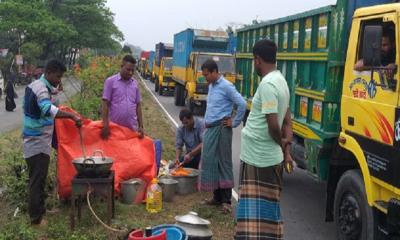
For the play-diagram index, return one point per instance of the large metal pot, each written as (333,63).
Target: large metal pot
(187,184)
(133,191)
(195,227)
(93,166)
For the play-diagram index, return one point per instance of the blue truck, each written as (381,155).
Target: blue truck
(192,47)
(162,50)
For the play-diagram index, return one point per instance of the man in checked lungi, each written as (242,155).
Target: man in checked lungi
(216,164)
(265,147)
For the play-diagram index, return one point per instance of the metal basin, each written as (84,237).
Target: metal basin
(187,184)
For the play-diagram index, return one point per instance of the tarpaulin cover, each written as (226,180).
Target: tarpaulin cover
(133,157)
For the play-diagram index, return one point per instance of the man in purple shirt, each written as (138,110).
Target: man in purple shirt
(121,100)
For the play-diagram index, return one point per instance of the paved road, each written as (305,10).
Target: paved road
(303,199)
(13,120)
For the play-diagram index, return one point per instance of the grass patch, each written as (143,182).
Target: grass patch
(156,125)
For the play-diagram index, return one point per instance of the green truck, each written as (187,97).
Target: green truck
(346,123)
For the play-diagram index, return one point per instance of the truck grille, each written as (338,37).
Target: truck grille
(202,88)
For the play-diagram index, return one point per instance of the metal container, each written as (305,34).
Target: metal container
(93,166)
(195,227)
(169,187)
(187,184)
(133,191)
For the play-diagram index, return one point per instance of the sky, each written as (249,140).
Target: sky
(147,22)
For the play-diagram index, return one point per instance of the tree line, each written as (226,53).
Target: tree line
(44,29)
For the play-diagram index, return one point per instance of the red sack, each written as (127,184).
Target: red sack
(133,157)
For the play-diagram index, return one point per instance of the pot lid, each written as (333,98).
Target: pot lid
(192,218)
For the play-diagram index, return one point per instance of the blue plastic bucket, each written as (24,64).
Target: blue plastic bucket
(174,232)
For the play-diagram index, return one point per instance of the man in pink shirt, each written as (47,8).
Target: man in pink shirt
(121,100)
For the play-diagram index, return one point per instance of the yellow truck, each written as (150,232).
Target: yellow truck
(162,50)
(341,64)
(164,83)
(192,47)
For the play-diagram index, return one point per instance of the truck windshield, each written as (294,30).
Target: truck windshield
(168,64)
(226,64)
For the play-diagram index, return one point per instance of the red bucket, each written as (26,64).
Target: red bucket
(138,235)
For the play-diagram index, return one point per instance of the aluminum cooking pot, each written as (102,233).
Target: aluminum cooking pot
(93,166)
(196,228)
(187,184)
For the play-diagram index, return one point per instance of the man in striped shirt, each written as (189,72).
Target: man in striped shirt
(39,114)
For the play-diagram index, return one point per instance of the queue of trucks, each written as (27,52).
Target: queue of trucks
(346,123)
(176,68)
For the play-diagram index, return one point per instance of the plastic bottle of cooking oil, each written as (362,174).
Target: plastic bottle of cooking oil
(154,197)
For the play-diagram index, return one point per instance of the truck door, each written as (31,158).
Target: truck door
(370,102)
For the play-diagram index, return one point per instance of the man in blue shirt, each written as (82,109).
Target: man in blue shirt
(216,167)
(190,135)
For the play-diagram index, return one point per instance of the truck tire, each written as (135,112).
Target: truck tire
(156,85)
(353,216)
(176,95)
(181,96)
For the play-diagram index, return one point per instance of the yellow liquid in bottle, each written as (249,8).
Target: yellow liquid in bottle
(154,198)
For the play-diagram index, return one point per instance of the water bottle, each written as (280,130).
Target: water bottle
(154,197)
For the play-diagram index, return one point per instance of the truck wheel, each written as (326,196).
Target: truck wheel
(156,85)
(181,96)
(353,215)
(176,95)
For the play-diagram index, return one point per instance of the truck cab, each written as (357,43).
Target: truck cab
(192,47)
(152,72)
(142,66)
(370,119)
(164,83)
(162,50)
(196,88)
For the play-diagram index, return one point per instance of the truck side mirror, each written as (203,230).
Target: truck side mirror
(372,46)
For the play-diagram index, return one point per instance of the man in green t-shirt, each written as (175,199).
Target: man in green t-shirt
(265,146)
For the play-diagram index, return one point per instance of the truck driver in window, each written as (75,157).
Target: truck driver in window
(388,53)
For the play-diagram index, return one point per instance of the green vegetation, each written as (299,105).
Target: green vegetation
(41,30)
